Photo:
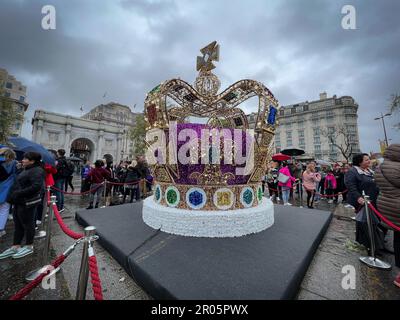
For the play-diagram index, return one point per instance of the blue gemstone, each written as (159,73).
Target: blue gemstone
(195,198)
(248,196)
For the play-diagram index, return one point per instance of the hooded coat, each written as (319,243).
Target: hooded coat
(387,177)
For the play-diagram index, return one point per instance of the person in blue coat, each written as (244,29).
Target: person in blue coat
(8,169)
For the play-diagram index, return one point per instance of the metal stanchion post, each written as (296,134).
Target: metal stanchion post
(84,270)
(45,259)
(372,261)
(42,233)
(301,193)
(105,194)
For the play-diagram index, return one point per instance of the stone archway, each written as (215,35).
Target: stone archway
(83,148)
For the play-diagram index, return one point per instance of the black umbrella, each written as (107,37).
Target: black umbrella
(293,152)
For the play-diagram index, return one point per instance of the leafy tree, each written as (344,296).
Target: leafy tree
(138,134)
(8,116)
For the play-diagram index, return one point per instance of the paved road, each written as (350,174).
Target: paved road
(322,281)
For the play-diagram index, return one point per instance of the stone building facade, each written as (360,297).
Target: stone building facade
(79,137)
(16,92)
(306,125)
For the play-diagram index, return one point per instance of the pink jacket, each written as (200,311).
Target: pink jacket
(330,177)
(310,179)
(285,171)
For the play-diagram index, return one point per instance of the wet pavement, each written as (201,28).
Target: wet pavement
(323,280)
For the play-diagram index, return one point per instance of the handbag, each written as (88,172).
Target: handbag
(283,178)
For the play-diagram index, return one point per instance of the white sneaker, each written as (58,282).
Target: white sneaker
(62,210)
(288,204)
(10,217)
(38,222)
(278,199)
(330,201)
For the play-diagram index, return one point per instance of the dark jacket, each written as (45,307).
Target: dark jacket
(29,183)
(143,170)
(132,175)
(356,183)
(388,179)
(98,175)
(339,176)
(61,164)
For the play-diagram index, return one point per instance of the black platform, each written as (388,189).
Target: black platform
(267,265)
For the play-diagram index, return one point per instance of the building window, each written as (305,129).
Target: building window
(316,131)
(7,94)
(331,130)
(289,135)
(302,142)
(330,119)
(293,110)
(22,98)
(301,133)
(305,108)
(317,140)
(282,112)
(318,155)
(17,126)
(9,85)
(289,142)
(317,147)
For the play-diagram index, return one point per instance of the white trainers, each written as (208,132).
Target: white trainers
(288,204)
(8,253)
(23,252)
(330,201)
(278,199)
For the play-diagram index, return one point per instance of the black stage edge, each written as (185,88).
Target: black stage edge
(267,265)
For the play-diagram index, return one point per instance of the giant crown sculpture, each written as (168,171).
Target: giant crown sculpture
(201,185)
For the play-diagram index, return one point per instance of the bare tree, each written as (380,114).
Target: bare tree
(395,106)
(342,139)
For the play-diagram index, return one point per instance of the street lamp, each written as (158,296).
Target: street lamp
(383,122)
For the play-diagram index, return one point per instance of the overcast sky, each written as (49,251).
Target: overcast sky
(126,47)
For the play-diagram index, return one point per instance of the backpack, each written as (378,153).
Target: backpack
(65,169)
(70,168)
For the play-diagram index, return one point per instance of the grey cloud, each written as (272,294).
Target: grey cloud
(297,48)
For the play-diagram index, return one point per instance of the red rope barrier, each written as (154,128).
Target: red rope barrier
(63,226)
(384,219)
(122,183)
(95,279)
(34,283)
(78,193)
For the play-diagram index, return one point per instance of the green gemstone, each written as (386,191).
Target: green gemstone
(172,197)
(260,194)
(155,89)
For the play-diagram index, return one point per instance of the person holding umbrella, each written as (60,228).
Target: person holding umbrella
(25,195)
(8,170)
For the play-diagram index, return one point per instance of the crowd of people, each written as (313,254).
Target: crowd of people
(22,190)
(283,179)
